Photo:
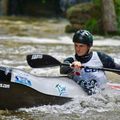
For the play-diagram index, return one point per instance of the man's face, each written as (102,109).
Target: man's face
(81,49)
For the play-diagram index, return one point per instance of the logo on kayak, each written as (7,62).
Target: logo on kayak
(61,89)
(4,85)
(23,80)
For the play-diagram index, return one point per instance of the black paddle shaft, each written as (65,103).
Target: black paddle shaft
(43,60)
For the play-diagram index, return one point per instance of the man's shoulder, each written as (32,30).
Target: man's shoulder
(107,60)
(102,54)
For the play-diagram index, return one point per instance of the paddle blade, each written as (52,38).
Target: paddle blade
(40,60)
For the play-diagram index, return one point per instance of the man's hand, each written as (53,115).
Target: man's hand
(76,65)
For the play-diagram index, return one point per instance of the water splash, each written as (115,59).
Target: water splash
(99,103)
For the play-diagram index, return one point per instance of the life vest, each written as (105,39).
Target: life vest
(88,74)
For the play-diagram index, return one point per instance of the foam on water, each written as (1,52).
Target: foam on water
(99,103)
(60,40)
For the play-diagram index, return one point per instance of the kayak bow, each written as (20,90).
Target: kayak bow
(21,89)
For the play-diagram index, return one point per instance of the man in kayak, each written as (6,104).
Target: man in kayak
(91,80)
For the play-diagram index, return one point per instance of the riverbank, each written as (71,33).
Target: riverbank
(35,27)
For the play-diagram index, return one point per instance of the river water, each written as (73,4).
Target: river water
(105,106)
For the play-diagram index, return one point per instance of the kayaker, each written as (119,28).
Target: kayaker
(91,80)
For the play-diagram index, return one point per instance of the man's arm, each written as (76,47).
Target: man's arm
(108,62)
(66,69)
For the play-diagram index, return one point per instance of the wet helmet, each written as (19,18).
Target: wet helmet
(84,37)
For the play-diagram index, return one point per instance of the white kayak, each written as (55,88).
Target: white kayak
(20,89)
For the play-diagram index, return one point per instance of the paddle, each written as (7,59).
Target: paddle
(43,60)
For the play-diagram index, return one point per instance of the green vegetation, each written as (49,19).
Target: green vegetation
(92,25)
(97,2)
(89,16)
(43,1)
(117,8)
(85,16)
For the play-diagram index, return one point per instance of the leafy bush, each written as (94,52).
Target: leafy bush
(92,25)
(117,9)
